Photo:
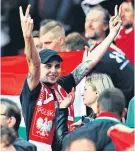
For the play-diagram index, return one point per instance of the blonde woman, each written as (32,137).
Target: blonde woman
(95,84)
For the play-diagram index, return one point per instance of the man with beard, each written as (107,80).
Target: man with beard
(114,63)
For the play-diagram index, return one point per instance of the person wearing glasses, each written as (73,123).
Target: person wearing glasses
(10,116)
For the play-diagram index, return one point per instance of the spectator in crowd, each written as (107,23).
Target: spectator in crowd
(95,84)
(80,143)
(125,39)
(110,110)
(75,41)
(8,136)
(10,117)
(44,85)
(97,25)
(36,39)
(120,69)
(52,36)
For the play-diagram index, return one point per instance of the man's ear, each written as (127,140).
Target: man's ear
(11,122)
(62,40)
(105,27)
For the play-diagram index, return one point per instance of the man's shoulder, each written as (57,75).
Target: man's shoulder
(27,96)
(26,89)
(68,76)
(25,85)
(100,127)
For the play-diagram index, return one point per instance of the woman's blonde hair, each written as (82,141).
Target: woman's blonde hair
(99,82)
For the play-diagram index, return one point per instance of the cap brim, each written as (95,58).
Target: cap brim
(52,58)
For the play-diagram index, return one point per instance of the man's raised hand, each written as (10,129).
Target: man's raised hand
(26,22)
(115,21)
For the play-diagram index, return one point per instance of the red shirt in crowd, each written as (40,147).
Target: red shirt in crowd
(125,41)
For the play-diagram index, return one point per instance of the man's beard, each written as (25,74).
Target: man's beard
(49,84)
(93,37)
(127,26)
(45,81)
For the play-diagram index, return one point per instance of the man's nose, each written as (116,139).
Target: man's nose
(90,24)
(53,69)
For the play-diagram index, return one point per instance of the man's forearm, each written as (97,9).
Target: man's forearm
(96,55)
(81,71)
(31,51)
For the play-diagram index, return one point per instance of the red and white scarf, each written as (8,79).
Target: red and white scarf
(42,126)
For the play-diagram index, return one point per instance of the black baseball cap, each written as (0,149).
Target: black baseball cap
(47,54)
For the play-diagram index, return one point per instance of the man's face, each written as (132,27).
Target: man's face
(50,72)
(37,43)
(127,14)
(3,118)
(49,41)
(94,24)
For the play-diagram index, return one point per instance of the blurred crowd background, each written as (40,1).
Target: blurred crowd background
(69,12)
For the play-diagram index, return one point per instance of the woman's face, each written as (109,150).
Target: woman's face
(89,95)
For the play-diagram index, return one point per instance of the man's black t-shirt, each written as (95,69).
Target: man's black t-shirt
(120,70)
(28,98)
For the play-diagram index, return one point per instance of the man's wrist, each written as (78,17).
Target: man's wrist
(27,38)
(113,33)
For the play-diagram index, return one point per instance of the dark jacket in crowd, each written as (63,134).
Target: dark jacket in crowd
(94,130)
(23,145)
(97,132)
